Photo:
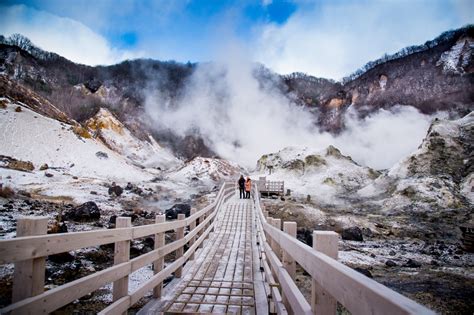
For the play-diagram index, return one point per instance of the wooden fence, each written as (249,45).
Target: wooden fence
(266,187)
(331,280)
(28,251)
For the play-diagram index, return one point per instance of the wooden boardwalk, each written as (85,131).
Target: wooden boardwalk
(238,260)
(225,277)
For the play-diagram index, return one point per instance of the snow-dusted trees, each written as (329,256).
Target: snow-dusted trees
(444,37)
(25,44)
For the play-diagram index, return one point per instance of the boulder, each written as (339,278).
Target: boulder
(61,258)
(179,208)
(115,190)
(412,264)
(14,164)
(390,263)
(48,175)
(101,155)
(44,167)
(353,233)
(364,271)
(86,212)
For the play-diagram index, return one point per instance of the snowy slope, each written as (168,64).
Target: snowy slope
(29,136)
(325,175)
(116,136)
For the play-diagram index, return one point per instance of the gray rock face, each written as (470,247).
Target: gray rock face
(352,234)
(179,208)
(86,212)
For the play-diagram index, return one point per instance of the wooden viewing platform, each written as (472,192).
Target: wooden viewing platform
(239,260)
(267,188)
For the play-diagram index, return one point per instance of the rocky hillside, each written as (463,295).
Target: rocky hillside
(437,178)
(326,175)
(437,75)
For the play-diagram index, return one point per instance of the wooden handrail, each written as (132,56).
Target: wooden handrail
(30,247)
(359,294)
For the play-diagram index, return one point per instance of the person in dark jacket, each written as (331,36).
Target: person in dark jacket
(242,186)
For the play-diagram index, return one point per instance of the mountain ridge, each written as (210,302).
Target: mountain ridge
(414,76)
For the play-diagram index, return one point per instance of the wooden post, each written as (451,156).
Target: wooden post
(159,263)
(28,276)
(121,254)
(288,261)
(179,251)
(271,242)
(277,249)
(199,221)
(192,226)
(321,301)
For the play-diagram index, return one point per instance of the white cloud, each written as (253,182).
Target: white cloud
(335,38)
(64,36)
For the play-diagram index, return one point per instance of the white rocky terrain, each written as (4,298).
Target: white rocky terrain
(327,175)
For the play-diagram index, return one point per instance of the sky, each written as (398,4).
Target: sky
(323,38)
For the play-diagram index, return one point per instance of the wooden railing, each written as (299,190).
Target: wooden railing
(29,250)
(270,187)
(331,280)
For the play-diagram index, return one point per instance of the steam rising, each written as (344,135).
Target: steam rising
(241,120)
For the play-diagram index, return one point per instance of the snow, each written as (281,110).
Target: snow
(29,136)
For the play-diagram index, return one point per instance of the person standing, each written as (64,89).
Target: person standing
(248,187)
(241,183)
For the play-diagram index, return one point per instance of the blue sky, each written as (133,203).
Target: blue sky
(324,38)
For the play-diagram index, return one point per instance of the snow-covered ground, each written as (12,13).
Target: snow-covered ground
(29,136)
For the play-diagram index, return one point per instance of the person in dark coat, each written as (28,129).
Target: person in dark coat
(242,186)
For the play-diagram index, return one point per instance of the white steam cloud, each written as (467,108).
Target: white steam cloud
(241,120)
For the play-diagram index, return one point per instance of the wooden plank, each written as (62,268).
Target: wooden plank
(192,226)
(180,251)
(150,229)
(136,295)
(28,275)
(163,274)
(121,255)
(55,298)
(277,249)
(28,247)
(321,301)
(289,263)
(160,262)
(118,307)
(359,294)
(261,305)
(292,294)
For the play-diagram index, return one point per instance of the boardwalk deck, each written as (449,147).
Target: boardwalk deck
(222,278)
